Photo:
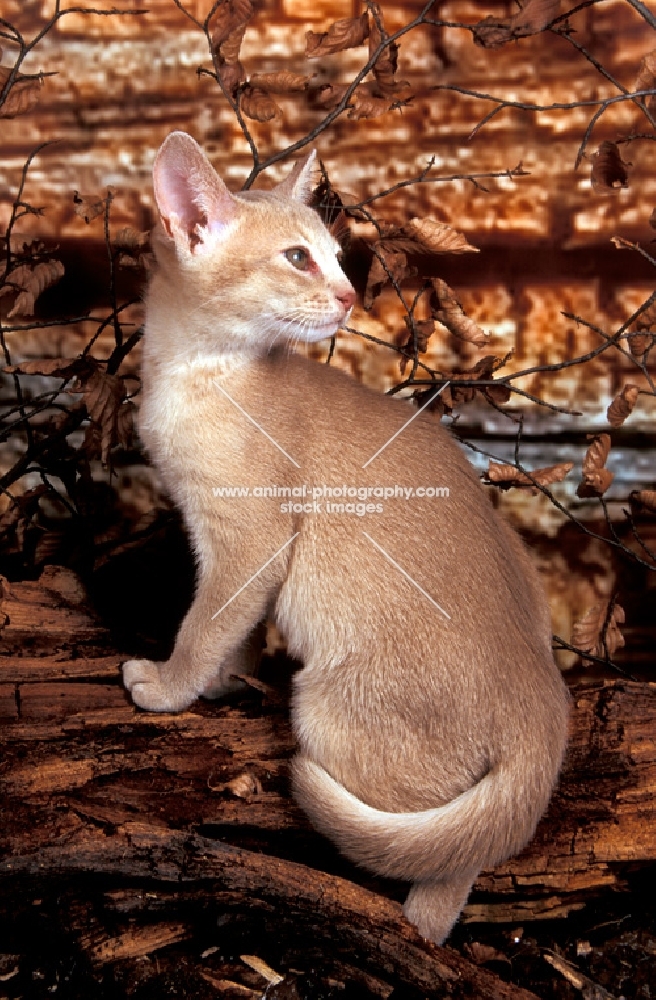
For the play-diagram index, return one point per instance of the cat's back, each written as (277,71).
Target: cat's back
(406,561)
(381,470)
(352,423)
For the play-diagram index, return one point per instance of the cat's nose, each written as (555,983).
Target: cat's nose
(346,298)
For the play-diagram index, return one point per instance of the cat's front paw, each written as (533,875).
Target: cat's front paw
(143,679)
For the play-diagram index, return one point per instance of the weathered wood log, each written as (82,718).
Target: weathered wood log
(350,917)
(185,802)
(48,616)
(602,818)
(70,745)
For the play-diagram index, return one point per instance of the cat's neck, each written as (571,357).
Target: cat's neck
(184,334)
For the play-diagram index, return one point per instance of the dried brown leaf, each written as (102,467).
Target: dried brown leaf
(448,311)
(483,370)
(427,236)
(387,60)
(647,319)
(398,240)
(424,331)
(397,91)
(646,78)
(639,343)
(644,500)
(534,17)
(230,17)
(496,393)
(439,404)
(492,32)
(507,476)
(343,34)
(24,507)
(393,265)
(329,203)
(229,50)
(231,75)
(326,97)
(621,244)
(244,786)
(228,30)
(103,395)
(482,953)
(259,106)
(87,206)
(487,366)
(131,239)
(230,987)
(282,82)
(22,97)
(258,965)
(368,107)
(608,167)
(588,631)
(32,281)
(622,405)
(597,453)
(385,67)
(552,473)
(596,479)
(595,483)
(454,394)
(438,237)
(64,367)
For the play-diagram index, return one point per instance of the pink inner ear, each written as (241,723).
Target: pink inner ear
(175,198)
(188,188)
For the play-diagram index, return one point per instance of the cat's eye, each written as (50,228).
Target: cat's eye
(299,257)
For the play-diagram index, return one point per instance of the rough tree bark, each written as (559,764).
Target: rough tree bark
(180,814)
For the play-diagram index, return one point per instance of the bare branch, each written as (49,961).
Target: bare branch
(644,11)
(423,178)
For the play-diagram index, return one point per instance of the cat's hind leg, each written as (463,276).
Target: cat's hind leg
(435,905)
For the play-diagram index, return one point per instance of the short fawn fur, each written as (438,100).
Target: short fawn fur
(430,716)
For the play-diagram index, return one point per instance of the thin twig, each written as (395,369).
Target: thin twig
(644,11)
(423,178)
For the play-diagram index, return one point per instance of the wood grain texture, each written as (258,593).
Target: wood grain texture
(89,785)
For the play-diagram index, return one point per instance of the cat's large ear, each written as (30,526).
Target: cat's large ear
(299,182)
(194,203)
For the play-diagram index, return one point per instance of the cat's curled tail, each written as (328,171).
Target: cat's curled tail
(443,849)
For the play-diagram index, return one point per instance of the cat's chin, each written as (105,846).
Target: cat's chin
(320,332)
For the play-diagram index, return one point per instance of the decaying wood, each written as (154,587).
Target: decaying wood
(48,617)
(602,819)
(351,918)
(196,806)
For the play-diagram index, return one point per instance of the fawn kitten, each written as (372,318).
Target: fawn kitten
(430,716)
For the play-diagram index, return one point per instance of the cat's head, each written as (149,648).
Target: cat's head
(260,261)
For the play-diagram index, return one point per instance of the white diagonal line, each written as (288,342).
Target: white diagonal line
(406,575)
(255,575)
(255,423)
(427,403)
